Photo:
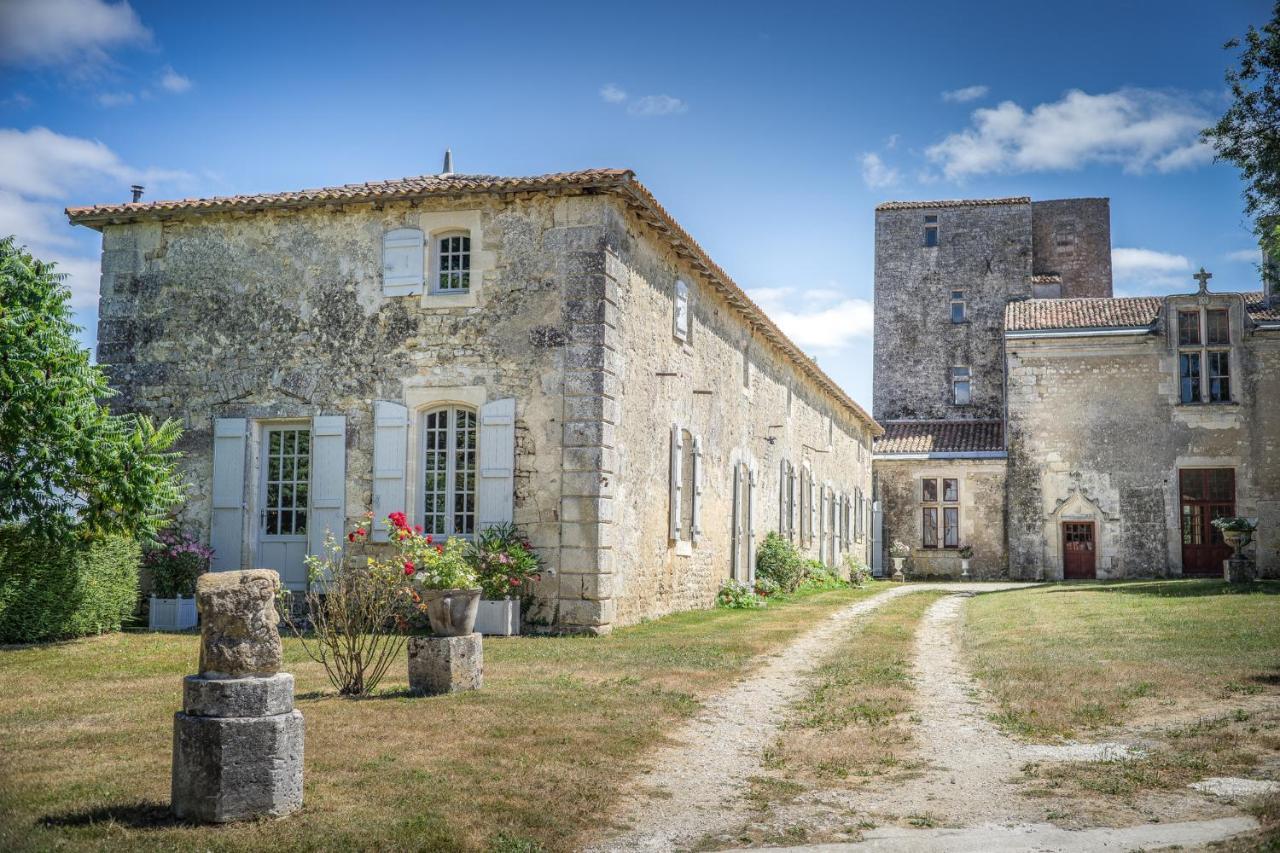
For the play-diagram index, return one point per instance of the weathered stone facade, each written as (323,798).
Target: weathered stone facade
(239,316)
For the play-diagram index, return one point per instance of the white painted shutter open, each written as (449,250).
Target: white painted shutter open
(735,571)
(328,481)
(751,525)
(782,498)
(696,514)
(792,502)
(226,523)
(495,493)
(390,458)
(402,262)
(677,450)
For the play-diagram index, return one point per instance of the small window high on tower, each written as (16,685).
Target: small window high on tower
(931,230)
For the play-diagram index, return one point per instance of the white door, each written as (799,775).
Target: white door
(285,500)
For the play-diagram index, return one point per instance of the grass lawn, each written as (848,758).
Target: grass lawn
(1066,658)
(534,758)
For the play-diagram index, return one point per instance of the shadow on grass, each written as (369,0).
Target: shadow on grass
(144,814)
(1174,588)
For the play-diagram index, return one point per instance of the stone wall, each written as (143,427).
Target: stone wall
(982,518)
(1072,237)
(984,250)
(1096,431)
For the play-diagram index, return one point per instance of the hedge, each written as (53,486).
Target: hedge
(52,590)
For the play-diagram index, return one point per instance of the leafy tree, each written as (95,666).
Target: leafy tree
(66,462)
(1248,134)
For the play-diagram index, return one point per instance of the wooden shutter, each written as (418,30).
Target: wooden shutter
(751,526)
(793,502)
(736,527)
(782,498)
(677,449)
(226,522)
(495,492)
(697,489)
(328,480)
(390,458)
(402,262)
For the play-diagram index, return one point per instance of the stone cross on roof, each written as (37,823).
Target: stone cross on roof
(1203,277)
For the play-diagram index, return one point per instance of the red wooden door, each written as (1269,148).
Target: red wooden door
(1206,494)
(1078,551)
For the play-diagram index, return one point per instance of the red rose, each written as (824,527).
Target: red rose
(417,528)
(514,581)
(351,537)
(398,520)
(439,549)
(360,531)
(429,539)
(408,567)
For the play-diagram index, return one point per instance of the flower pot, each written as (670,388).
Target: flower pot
(1237,539)
(172,614)
(964,569)
(500,617)
(897,568)
(452,612)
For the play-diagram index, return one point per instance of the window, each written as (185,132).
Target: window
(931,230)
(1204,355)
(1064,235)
(684,487)
(960,387)
(681,321)
(449,472)
(286,481)
(947,510)
(958,312)
(453,263)
(402,253)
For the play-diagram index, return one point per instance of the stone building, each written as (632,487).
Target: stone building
(1056,429)
(554,351)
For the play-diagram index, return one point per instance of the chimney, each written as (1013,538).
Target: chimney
(448,162)
(137,191)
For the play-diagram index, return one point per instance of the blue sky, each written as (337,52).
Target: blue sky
(769,131)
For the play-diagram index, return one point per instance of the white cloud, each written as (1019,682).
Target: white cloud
(1136,129)
(968,93)
(875,173)
(821,319)
(115,99)
(657,105)
(43,171)
(172,81)
(611,94)
(1143,271)
(57,32)
(1245,256)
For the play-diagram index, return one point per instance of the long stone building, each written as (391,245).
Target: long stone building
(1057,430)
(554,351)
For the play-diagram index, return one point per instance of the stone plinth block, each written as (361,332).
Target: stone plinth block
(1237,569)
(446,664)
(237,697)
(238,634)
(236,768)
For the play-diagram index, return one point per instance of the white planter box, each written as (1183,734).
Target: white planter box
(501,618)
(173,614)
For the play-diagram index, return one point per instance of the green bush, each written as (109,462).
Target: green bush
(778,561)
(57,588)
(818,576)
(736,595)
(859,574)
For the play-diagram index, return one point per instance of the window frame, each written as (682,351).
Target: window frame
(957,380)
(438,254)
(963,304)
(1210,381)
(937,506)
(932,233)
(427,514)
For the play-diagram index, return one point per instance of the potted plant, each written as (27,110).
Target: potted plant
(443,584)
(1237,531)
(899,550)
(966,554)
(174,563)
(506,565)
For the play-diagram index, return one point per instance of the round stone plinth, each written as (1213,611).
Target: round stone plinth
(236,768)
(238,697)
(446,664)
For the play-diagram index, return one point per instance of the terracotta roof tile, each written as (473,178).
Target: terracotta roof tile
(1259,309)
(955,202)
(940,437)
(1094,313)
(1047,278)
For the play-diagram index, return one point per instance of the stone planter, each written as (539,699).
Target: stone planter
(172,614)
(964,569)
(1237,539)
(500,618)
(452,612)
(898,574)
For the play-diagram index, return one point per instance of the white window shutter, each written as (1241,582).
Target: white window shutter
(390,457)
(735,527)
(328,481)
(782,498)
(677,451)
(792,502)
(495,492)
(226,523)
(696,533)
(402,262)
(751,526)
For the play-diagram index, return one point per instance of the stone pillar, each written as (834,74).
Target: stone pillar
(1237,569)
(237,743)
(446,664)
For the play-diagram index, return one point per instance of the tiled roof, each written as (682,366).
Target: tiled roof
(940,437)
(1096,313)
(1259,310)
(955,202)
(1047,278)
(637,197)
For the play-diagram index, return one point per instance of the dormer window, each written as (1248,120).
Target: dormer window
(930,230)
(452,272)
(959,310)
(1204,355)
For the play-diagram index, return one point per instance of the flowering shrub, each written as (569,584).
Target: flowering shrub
(504,561)
(766,587)
(736,595)
(778,561)
(818,576)
(966,552)
(899,549)
(174,562)
(859,574)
